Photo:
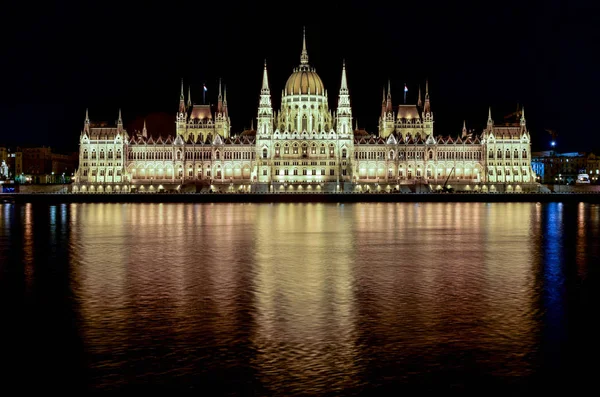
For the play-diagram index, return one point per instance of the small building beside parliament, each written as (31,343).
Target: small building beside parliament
(305,147)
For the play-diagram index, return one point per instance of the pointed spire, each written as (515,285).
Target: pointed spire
(225,100)
(304,55)
(220,100)
(265,83)
(419,103)
(388,107)
(189,102)
(119,122)
(144,130)
(523,115)
(490,121)
(181,100)
(464,129)
(252,124)
(86,123)
(344,86)
(427,107)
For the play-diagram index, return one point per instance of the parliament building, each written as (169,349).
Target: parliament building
(305,147)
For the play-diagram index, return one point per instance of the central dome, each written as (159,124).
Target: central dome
(304,81)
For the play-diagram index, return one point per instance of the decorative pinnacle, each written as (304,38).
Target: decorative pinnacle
(120,120)
(181,96)
(490,114)
(304,55)
(426,89)
(189,96)
(87,118)
(344,86)
(265,84)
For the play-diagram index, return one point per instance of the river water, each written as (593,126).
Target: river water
(289,299)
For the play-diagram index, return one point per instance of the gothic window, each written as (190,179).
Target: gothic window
(304,150)
(110,173)
(295,171)
(524,153)
(295,149)
(217,154)
(85,172)
(331,151)
(322,171)
(304,171)
(499,154)
(178,156)
(344,153)
(507,153)
(322,149)
(85,154)
(430,155)
(101,154)
(93,154)
(286,149)
(516,154)
(332,172)
(313,149)
(491,154)
(264,153)
(304,122)
(391,173)
(101,172)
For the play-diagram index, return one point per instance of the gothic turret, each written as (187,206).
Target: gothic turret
(144,130)
(86,123)
(427,113)
(119,123)
(181,117)
(344,111)
(265,109)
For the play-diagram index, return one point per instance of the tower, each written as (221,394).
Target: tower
(265,109)
(386,123)
(344,111)
(181,117)
(119,124)
(427,113)
(86,123)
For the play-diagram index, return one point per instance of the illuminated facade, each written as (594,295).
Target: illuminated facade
(304,146)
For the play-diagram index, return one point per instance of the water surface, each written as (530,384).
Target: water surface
(300,298)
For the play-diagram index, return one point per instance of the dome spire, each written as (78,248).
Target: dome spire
(304,55)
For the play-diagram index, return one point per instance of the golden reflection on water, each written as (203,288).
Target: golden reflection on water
(316,290)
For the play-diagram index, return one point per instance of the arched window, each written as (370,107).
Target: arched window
(286,149)
(85,154)
(391,154)
(264,153)
(430,155)
(516,154)
(331,151)
(491,154)
(499,154)
(178,156)
(507,153)
(344,153)
(295,149)
(323,149)
(217,155)
(524,153)
(304,123)
(313,149)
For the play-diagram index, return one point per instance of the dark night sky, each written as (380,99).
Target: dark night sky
(59,58)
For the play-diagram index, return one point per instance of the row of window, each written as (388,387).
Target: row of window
(101,155)
(507,156)
(101,172)
(411,155)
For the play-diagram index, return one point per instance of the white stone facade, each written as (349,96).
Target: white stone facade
(305,147)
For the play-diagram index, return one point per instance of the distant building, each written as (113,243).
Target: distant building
(554,167)
(305,146)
